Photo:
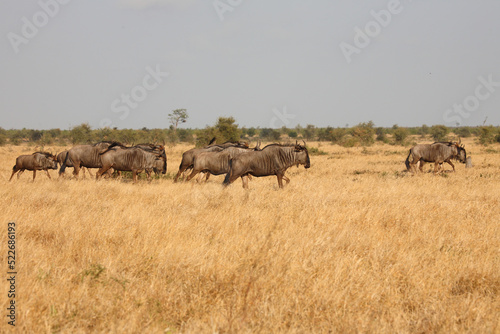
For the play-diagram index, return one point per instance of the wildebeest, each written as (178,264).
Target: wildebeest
(36,161)
(62,156)
(217,163)
(85,156)
(273,159)
(436,152)
(132,159)
(188,157)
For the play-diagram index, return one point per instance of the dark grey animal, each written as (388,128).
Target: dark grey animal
(85,156)
(274,159)
(62,156)
(36,161)
(217,163)
(438,153)
(188,157)
(132,159)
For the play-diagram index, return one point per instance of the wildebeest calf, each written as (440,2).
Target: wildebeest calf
(36,161)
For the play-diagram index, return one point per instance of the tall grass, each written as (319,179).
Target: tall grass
(354,244)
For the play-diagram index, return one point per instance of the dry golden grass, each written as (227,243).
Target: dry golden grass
(353,244)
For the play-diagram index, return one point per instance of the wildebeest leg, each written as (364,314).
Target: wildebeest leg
(193,174)
(280,180)
(46,171)
(286,179)
(181,171)
(200,176)
(34,175)
(76,169)
(244,180)
(452,166)
(134,176)
(14,170)
(88,170)
(207,176)
(422,163)
(20,172)
(436,166)
(101,171)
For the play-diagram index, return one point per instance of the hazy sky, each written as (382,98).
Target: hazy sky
(128,63)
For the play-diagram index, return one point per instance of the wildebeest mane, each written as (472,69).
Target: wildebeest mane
(115,143)
(47,154)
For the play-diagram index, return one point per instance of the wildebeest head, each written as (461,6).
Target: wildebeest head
(45,160)
(461,153)
(161,160)
(302,155)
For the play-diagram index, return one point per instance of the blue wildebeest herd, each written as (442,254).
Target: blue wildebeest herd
(234,159)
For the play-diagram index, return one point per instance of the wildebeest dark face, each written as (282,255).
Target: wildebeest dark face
(461,154)
(302,156)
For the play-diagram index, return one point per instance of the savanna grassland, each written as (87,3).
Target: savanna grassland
(353,244)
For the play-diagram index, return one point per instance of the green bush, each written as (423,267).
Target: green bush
(363,133)
(439,132)
(400,135)
(486,135)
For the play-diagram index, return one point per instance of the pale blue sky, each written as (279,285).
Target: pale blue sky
(286,56)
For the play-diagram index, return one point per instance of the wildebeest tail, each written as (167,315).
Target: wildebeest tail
(63,166)
(407,162)
(228,175)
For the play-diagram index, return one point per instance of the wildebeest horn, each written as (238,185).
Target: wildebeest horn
(304,142)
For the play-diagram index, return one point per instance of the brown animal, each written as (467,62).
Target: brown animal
(188,157)
(217,163)
(62,156)
(132,159)
(36,161)
(274,159)
(85,156)
(438,153)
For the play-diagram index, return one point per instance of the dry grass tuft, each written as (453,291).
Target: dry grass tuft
(354,244)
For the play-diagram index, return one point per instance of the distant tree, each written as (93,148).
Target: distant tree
(363,133)
(380,132)
(81,134)
(486,135)
(462,132)
(292,134)
(270,134)
(338,135)
(251,132)
(3,136)
(439,132)
(399,134)
(227,130)
(310,132)
(178,116)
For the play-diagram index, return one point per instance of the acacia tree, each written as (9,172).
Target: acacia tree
(178,116)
